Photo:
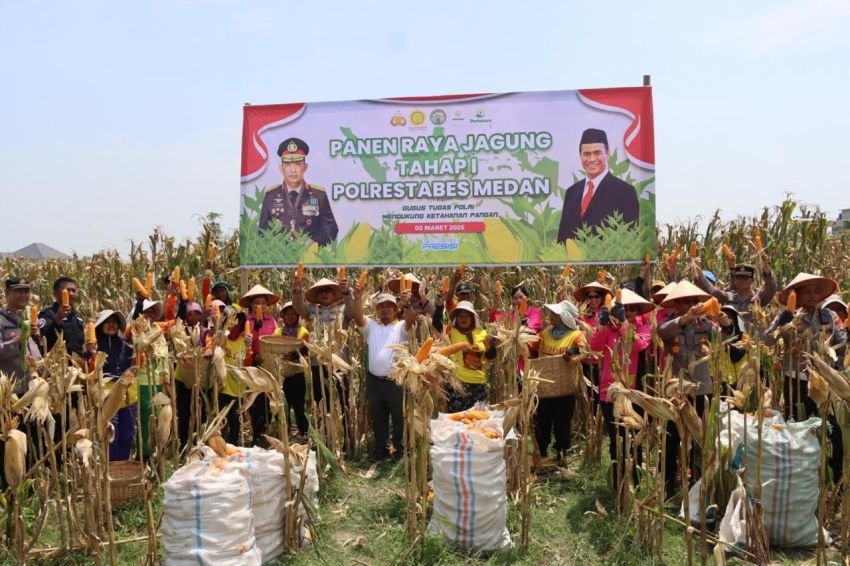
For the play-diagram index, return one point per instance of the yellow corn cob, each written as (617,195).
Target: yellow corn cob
(163,424)
(258,312)
(116,395)
(693,250)
(449,351)
(340,273)
(66,298)
(567,271)
(34,315)
(91,337)
(709,307)
(618,295)
(727,251)
(444,287)
(498,288)
(424,350)
(361,282)
(208,302)
(141,289)
(190,289)
(149,283)
(757,241)
(184,292)
(175,275)
(523,307)
(299,271)
(608,301)
(691,421)
(791,305)
(818,387)
(217,443)
(601,276)
(211,252)
(462,270)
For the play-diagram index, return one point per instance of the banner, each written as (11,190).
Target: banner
(486,179)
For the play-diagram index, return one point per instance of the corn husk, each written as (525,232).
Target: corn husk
(14,459)
(837,381)
(115,396)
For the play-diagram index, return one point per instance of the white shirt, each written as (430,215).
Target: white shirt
(596,180)
(379,339)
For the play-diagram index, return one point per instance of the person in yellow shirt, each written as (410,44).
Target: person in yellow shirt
(295,386)
(237,349)
(560,338)
(465,326)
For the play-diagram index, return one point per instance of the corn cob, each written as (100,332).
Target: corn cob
(66,298)
(208,302)
(498,288)
(710,307)
(818,387)
(567,271)
(730,256)
(34,316)
(91,337)
(461,270)
(523,307)
(175,275)
(444,287)
(453,349)
(116,395)
(184,292)
(258,312)
(340,273)
(691,421)
(140,289)
(424,350)
(618,295)
(217,443)
(299,271)
(757,241)
(211,252)
(190,289)
(206,287)
(791,305)
(601,276)
(149,283)
(608,301)
(693,250)
(646,258)
(361,282)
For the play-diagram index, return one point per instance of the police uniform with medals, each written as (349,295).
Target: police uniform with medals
(306,210)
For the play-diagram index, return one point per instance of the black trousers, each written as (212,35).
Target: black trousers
(385,400)
(555,413)
(230,431)
(796,391)
(294,389)
(673,443)
(184,411)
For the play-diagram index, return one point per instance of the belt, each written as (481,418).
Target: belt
(378,377)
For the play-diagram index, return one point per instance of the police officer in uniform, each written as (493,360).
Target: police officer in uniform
(63,318)
(298,205)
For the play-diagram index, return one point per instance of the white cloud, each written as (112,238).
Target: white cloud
(798,23)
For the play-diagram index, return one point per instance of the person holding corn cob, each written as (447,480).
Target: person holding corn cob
(62,317)
(15,343)
(805,326)
(256,301)
(626,335)
(384,397)
(592,297)
(109,334)
(741,294)
(295,385)
(686,335)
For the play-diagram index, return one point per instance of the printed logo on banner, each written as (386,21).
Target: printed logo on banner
(417,117)
(438,116)
(398,120)
(480,117)
(441,245)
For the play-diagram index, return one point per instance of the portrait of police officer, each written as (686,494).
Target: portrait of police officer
(299,206)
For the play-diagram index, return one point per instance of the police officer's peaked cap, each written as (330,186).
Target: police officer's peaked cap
(592,135)
(291,150)
(745,270)
(13,283)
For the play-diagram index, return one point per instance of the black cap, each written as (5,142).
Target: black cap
(13,283)
(592,135)
(292,150)
(463,288)
(742,269)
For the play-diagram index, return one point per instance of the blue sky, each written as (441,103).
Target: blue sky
(117,117)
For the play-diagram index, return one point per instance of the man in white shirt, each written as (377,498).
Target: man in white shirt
(384,397)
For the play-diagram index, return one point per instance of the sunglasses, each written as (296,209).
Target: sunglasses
(593,296)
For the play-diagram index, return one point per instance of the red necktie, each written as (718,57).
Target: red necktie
(585,202)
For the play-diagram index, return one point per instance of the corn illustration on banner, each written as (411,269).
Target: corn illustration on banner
(486,179)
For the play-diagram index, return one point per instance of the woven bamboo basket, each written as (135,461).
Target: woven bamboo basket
(563,374)
(125,481)
(275,352)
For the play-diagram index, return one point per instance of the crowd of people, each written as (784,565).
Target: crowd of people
(602,330)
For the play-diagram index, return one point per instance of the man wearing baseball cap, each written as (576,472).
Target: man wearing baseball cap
(384,397)
(741,293)
(300,207)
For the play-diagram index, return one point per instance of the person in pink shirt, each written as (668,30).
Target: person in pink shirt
(592,299)
(611,337)
(532,322)
(256,301)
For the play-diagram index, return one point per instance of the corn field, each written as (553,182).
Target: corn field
(57,433)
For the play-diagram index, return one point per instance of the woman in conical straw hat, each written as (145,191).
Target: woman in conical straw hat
(262,323)
(591,297)
(628,315)
(684,334)
(812,323)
